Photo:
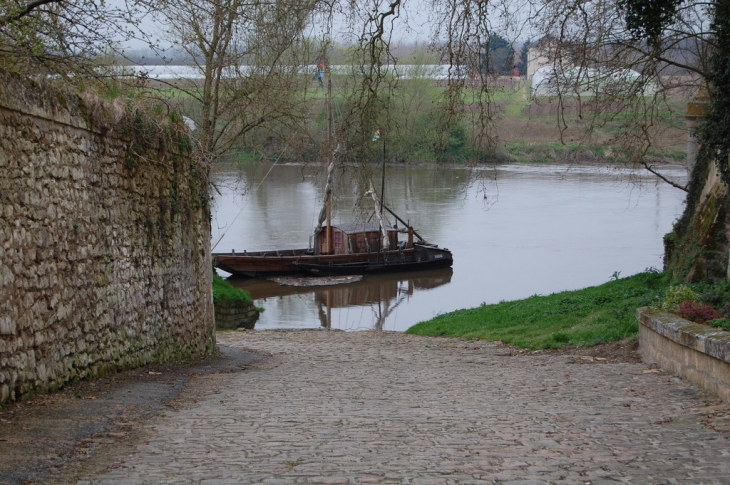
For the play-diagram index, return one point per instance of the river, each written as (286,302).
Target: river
(515,231)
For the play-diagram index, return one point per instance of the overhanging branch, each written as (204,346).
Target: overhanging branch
(651,169)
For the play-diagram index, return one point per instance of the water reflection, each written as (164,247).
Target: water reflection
(514,231)
(382,294)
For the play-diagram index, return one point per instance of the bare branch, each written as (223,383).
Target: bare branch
(25,10)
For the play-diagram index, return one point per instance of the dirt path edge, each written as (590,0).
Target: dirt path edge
(50,439)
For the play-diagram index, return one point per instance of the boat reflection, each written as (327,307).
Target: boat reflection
(382,293)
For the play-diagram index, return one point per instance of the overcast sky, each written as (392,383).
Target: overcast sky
(412,26)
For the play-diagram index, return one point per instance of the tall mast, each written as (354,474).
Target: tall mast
(325,214)
(330,158)
(382,183)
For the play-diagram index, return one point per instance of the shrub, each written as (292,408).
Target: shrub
(713,295)
(697,312)
(722,323)
(676,295)
(718,296)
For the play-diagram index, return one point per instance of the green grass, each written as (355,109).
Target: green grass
(224,291)
(586,317)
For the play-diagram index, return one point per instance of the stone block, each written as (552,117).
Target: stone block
(7,325)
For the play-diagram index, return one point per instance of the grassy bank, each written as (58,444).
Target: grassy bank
(584,317)
(224,291)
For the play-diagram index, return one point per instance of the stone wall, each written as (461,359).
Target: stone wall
(696,352)
(230,315)
(104,241)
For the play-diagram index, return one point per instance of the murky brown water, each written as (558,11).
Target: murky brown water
(514,232)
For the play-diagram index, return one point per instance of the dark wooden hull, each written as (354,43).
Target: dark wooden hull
(260,263)
(290,261)
(422,258)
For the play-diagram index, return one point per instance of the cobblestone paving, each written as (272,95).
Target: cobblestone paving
(380,407)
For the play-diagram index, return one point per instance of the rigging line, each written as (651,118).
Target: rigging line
(246,203)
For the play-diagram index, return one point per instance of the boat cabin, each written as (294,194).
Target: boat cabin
(354,239)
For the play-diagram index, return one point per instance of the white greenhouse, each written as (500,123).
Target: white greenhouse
(575,81)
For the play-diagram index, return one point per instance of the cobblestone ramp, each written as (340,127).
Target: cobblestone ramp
(380,407)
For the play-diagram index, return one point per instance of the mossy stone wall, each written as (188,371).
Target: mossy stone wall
(698,247)
(104,243)
(230,315)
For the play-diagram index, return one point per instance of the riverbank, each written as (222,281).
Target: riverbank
(521,128)
(582,318)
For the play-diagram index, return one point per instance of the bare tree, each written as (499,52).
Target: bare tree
(249,56)
(595,51)
(62,37)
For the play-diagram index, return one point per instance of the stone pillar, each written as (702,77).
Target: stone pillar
(697,109)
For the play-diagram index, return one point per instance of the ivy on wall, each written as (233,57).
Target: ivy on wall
(714,133)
